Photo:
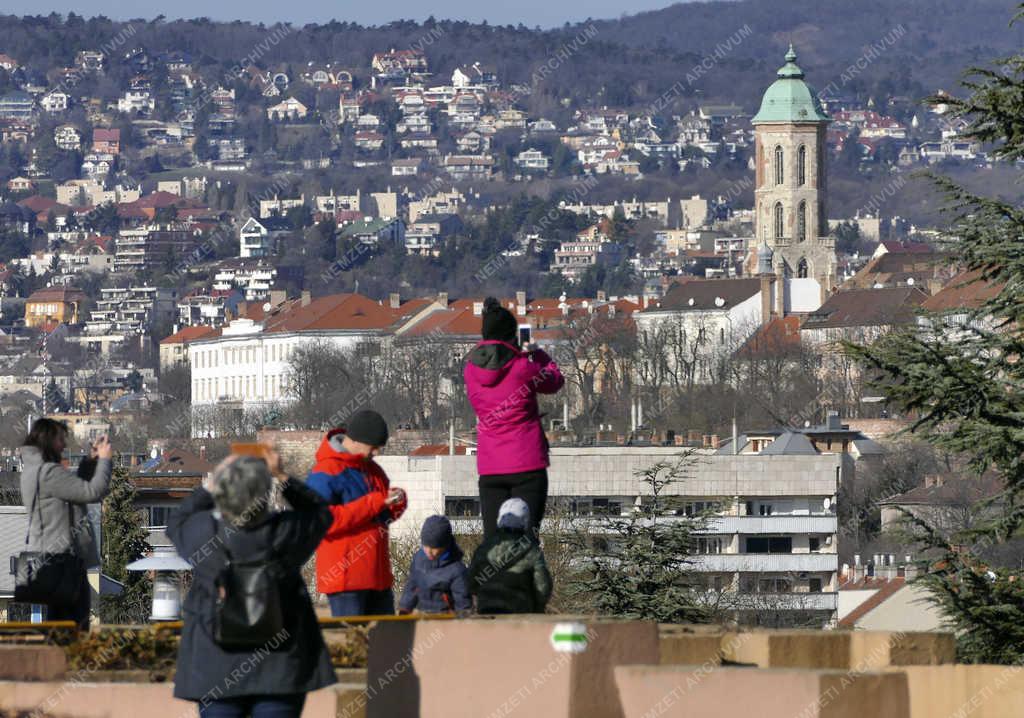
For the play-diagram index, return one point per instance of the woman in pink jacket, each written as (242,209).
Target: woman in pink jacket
(503,381)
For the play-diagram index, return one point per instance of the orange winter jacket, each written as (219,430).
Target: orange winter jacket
(353,555)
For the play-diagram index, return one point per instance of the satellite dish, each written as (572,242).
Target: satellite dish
(585,304)
(690,302)
(267,307)
(910,281)
(827,503)
(719,302)
(562,298)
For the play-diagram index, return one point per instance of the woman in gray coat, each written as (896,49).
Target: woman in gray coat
(56,500)
(235,516)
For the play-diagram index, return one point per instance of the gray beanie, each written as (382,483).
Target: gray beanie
(514,514)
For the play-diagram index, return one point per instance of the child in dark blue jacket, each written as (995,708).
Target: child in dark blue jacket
(437,580)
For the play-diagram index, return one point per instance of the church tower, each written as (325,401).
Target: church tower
(790,190)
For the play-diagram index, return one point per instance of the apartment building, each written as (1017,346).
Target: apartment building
(572,259)
(245,365)
(153,247)
(123,312)
(771,545)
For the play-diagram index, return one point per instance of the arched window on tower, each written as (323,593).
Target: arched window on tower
(778,220)
(801,221)
(801,166)
(779,174)
(801,268)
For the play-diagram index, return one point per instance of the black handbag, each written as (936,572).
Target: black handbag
(249,612)
(52,578)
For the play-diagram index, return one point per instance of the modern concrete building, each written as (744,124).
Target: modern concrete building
(771,545)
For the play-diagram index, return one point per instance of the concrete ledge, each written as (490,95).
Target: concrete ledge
(154,700)
(698,692)
(841,650)
(474,668)
(27,662)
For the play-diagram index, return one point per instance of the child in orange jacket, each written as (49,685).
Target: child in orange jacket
(353,565)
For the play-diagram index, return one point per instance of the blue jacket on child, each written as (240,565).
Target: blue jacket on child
(438,586)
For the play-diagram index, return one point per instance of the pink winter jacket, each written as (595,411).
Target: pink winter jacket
(503,383)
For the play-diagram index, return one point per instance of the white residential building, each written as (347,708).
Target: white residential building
(246,366)
(704,320)
(254,240)
(67,137)
(55,101)
(532,160)
(289,109)
(133,101)
(254,280)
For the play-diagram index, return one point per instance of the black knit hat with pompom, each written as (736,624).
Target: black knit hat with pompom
(499,324)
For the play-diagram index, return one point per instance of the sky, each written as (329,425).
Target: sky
(531,13)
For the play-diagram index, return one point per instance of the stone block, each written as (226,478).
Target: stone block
(28,662)
(965,690)
(858,650)
(690,646)
(701,692)
(480,667)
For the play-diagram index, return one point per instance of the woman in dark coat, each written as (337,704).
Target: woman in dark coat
(272,680)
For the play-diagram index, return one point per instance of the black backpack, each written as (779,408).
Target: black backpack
(250,612)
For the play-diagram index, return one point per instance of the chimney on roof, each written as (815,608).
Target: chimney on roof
(834,422)
(478,309)
(767,287)
(306,298)
(521,303)
(442,299)
(715,441)
(394,300)
(202,452)
(602,296)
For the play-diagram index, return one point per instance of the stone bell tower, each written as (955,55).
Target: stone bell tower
(790,186)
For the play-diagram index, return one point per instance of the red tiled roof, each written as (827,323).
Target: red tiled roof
(451,322)
(188,334)
(336,311)
(779,335)
(102,134)
(967,290)
(179,462)
(38,203)
(951,488)
(164,199)
(886,589)
(58,294)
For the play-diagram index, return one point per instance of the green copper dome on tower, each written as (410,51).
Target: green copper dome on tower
(789,98)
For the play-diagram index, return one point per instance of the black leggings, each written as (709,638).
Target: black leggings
(495,489)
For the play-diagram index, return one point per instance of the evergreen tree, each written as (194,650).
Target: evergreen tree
(964,383)
(634,566)
(124,541)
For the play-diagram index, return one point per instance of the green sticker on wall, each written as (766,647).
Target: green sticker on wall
(569,637)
